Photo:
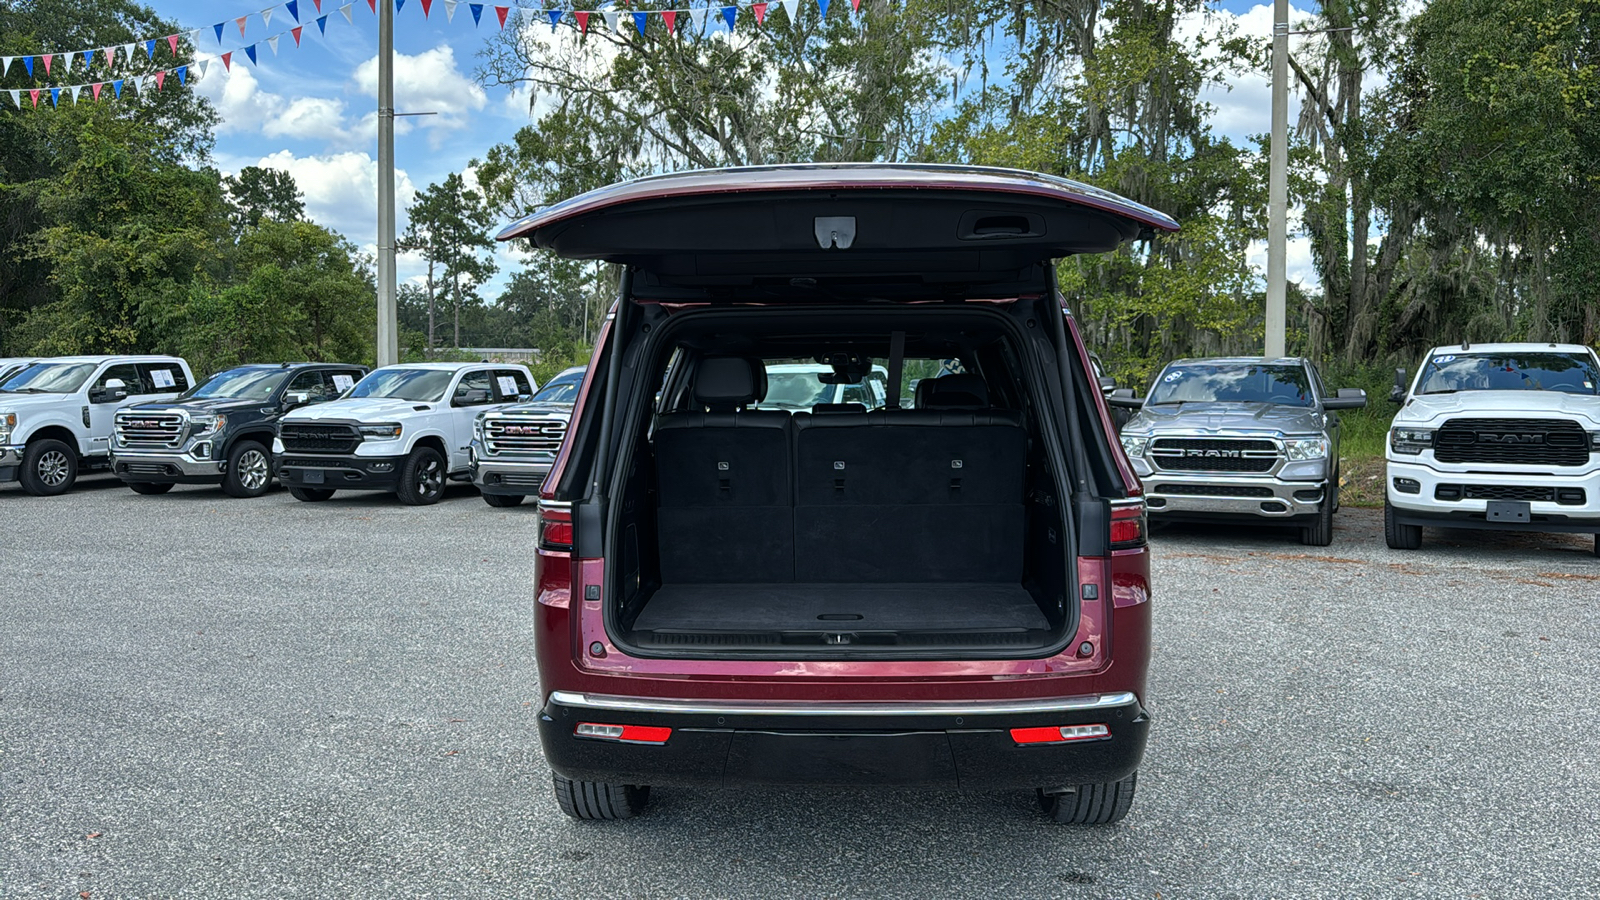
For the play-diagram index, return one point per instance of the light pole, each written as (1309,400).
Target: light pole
(1278,188)
(388,324)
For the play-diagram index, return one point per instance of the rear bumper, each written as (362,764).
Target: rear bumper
(945,744)
(507,477)
(343,473)
(1174,495)
(166,468)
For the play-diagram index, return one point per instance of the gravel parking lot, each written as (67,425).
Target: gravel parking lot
(202,696)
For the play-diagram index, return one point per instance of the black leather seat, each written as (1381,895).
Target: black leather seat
(724,476)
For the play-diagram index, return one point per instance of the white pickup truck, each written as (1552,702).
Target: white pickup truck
(56,414)
(404,428)
(1496,436)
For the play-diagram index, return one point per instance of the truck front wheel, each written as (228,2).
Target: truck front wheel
(421,478)
(1398,535)
(49,467)
(249,470)
(1091,804)
(1320,532)
(502,500)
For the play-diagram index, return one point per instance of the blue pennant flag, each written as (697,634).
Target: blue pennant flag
(183,74)
(218,29)
(730,13)
(823,5)
(293,6)
(555,19)
(55,96)
(150,49)
(322,24)
(399,4)
(639,20)
(477,12)
(116,87)
(88,59)
(250,51)
(28,61)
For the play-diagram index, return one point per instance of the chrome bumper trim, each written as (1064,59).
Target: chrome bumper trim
(610,703)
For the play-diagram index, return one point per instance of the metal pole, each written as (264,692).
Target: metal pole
(1278,186)
(388,318)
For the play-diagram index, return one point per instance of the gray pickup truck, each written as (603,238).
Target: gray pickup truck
(1240,439)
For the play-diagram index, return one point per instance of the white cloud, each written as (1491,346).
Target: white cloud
(427,82)
(308,117)
(245,108)
(341,190)
(1297,260)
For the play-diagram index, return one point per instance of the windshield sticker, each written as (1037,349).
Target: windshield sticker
(1173,376)
(508,385)
(1441,360)
(342,383)
(162,378)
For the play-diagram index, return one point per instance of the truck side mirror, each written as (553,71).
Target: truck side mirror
(1349,398)
(1124,399)
(295,400)
(1397,394)
(115,390)
(474,397)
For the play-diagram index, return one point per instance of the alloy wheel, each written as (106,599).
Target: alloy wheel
(253,471)
(430,479)
(53,468)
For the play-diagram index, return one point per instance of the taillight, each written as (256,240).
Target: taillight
(555,531)
(1062,734)
(1127,525)
(627,734)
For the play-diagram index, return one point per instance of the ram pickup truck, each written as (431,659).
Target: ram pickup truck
(220,432)
(56,414)
(1495,436)
(403,428)
(1242,439)
(513,447)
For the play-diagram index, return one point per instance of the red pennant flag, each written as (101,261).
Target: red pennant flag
(425,6)
(296,33)
(501,12)
(161,79)
(241,22)
(227,60)
(47,57)
(583,20)
(671,16)
(319,4)
(172,41)
(855,5)
(373,5)
(111,57)
(97,88)
(35,95)
(760,9)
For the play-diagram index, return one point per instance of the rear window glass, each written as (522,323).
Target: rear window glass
(1565,372)
(1233,383)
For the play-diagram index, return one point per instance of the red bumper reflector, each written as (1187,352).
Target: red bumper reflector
(630,734)
(1059,735)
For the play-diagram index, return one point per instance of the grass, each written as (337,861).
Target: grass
(1363,434)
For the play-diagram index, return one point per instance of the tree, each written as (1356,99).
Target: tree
(258,194)
(449,224)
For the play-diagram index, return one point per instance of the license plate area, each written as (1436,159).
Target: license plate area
(1508,511)
(314,476)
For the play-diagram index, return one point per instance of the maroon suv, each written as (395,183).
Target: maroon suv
(742,588)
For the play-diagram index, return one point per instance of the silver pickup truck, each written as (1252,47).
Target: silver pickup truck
(1241,439)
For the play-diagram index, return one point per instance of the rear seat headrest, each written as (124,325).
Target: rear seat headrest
(824,408)
(952,392)
(724,383)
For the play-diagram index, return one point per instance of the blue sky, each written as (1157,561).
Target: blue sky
(311,110)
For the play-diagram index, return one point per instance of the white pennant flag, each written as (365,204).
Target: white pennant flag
(203,63)
(273,43)
(129,50)
(611,20)
(7,67)
(194,37)
(266,17)
(16,97)
(346,10)
(75,89)
(449,10)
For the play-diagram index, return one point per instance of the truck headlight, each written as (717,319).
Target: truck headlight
(8,422)
(1306,448)
(477,428)
(1411,441)
(1135,445)
(1594,440)
(209,424)
(385,432)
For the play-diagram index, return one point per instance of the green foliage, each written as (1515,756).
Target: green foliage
(257,194)
(449,226)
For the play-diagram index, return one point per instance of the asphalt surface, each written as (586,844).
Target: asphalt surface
(207,697)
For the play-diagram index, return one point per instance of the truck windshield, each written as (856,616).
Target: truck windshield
(1569,373)
(239,384)
(417,385)
(796,390)
(1233,383)
(562,390)
(49,378)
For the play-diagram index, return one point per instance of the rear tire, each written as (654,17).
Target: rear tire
(501,501)
(1320,532)
(249,470)
(591,800)
(311,495)
(421,478)
(1091,804)
(1398,535)
(49,467)
(149,487)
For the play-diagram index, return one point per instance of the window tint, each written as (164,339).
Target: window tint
(417,385)
(127,373)
(1451,372)
(316,384)
(162,378)
(481,380)
(244,383)
(513,379)
(1233,383)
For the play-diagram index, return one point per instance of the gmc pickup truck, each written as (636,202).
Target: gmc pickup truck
(1246,439)
(513,447)
(1496,436)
